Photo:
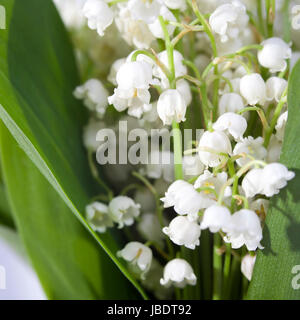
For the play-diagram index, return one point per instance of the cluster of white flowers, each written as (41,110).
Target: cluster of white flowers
(236,74)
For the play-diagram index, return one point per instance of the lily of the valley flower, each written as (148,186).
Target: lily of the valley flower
(274,54)
(228,20)
(138,255)
(178,272)
(124,210)
(245,229)
(98,217)
(99,15)
(251,183)
(171,106)
(155,26)
(185,199)
(215,142)
(184,232)
(133,79)
(175,4)
(230,102)
(214,183)
(146,10)
(275,177)
(253,89)
(252,147)
(235,124)
(275,87)
(216,218)
(94,96)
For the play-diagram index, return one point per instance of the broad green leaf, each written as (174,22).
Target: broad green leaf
(5,214)
(37,78)
(273,273)
(67,259)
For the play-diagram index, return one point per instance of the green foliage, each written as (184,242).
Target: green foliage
(273,275)
(37,77)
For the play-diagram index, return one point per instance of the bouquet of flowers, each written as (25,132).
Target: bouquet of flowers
(185,151)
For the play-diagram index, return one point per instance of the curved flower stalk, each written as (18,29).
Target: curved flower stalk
(218,68)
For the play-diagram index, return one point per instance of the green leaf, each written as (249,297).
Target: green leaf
(273,276)
(37,78)
(5,214)
(66,257)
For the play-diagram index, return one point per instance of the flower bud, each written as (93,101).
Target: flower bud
(247,266)
(280,126)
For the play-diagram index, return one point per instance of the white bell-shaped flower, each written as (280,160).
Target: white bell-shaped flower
(216,218)
(99,15)
(134,75)
(275,177)
(133,79)
(247,266)
(252,147)
(214,182)
(97,215)
(184,88)
(215,142)
(155,27)
(94,96)
(232,123)
(138,255)
(171,106)
(280,126)
(192,165)
(274,54)
(180,68)
(230,102)
(175,4)
(134,32)
(245,229)
(183,232)
(178,272)
(161,165)
(253,89)
(228,20)
(252,182)
(146,10)
(275,87)
(124,210)
(185,199)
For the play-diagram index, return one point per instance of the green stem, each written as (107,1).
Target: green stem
(217,265)
(227,265)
